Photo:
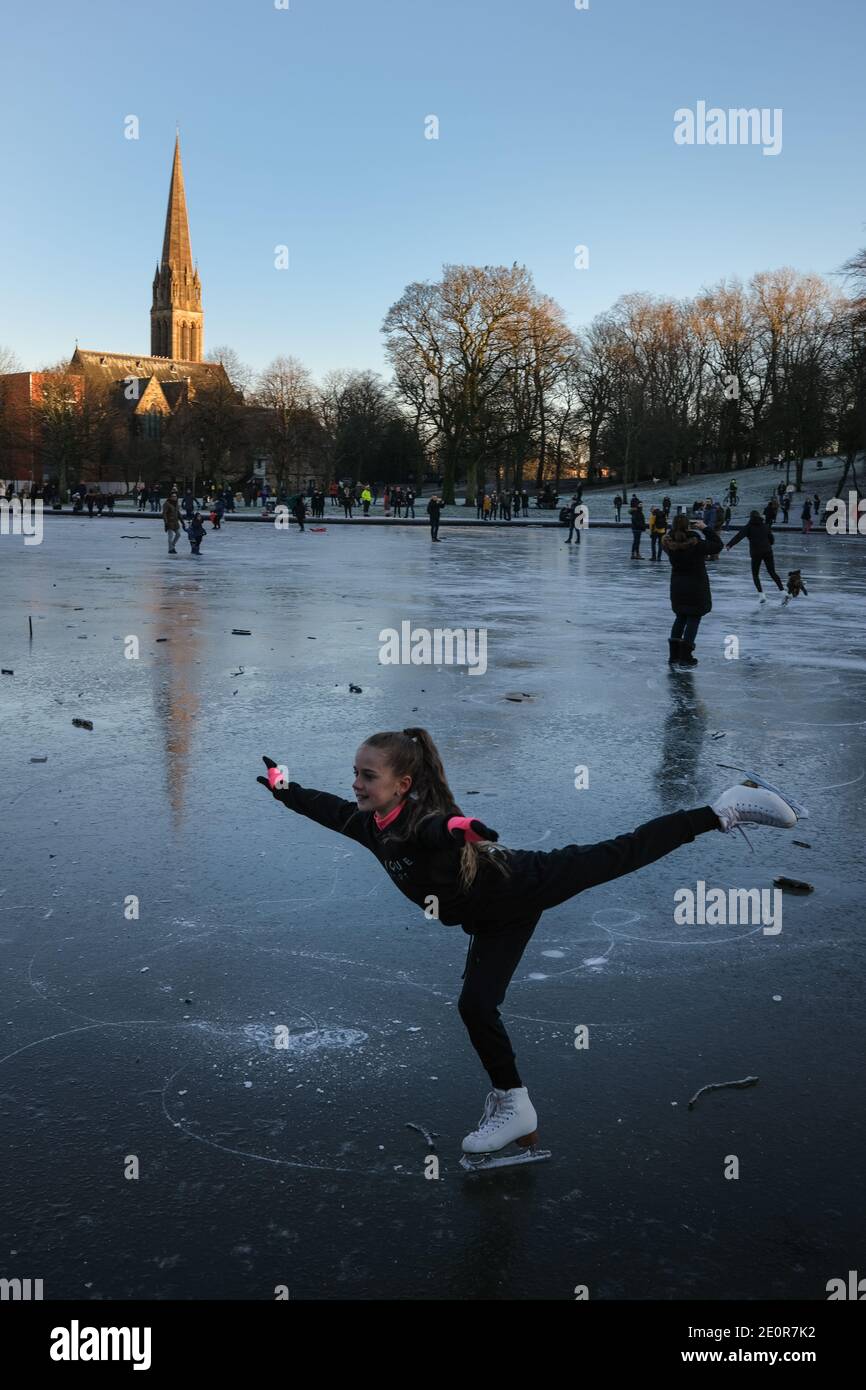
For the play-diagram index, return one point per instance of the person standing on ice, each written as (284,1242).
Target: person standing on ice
(450,865)
(196,533)
(299,510)
(658,527)
(171,521)
(573,520)
(760,537)
(688,546)
(434,511)
(638,526)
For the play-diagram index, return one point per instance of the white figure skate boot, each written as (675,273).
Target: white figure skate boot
(506,1133)
(753,805)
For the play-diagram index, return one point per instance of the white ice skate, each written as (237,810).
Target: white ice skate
(753,779)
(506,1133)
(753,805)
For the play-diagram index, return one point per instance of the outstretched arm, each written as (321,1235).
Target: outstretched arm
(331,811)
(735,540)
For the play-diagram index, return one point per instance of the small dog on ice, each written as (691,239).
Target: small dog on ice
(794,586)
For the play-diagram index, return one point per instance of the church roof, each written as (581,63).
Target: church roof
(108,367)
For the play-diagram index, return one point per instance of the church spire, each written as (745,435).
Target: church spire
(176,319)
(176,248)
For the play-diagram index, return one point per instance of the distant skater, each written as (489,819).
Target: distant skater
(658,526)
(171,521)
(760,538)
(638,526)
(195,533)
(574,513)
(434,511)
(405,813)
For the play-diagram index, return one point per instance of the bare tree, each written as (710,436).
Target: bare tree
(239,373)
(286,394)
(452,346)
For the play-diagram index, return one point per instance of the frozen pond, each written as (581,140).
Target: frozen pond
(151,1038)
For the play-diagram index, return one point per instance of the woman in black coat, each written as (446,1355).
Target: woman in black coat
(760,536)
(688,546)
(638,526)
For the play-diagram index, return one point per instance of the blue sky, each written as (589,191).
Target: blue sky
(305,127)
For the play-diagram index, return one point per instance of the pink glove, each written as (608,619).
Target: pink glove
(276,778)
(470,829)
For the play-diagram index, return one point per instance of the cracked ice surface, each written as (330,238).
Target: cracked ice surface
(149,1036)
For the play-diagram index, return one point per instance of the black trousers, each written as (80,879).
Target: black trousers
(434,530)
(766,560)
(510,908)
(685,628)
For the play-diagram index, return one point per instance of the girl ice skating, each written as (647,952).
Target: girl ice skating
(404,812)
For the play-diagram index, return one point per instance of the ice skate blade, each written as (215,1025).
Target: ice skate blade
(752,779)
(480,1163)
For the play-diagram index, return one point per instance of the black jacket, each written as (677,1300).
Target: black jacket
(760,538)
(425,865)
(434,509)
(690,584)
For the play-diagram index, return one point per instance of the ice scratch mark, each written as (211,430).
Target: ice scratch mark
(87,1027)
(834,786)
(261,1158)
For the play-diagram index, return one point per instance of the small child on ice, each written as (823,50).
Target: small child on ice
(195,533)
(405,813)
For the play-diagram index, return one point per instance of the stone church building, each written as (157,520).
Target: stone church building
(144,389)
